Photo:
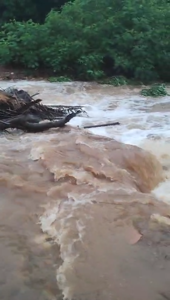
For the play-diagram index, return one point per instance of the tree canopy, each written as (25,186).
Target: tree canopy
(74,37)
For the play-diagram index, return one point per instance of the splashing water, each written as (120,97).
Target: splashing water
(101,201)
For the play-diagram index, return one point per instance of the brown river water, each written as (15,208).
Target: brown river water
(84,214)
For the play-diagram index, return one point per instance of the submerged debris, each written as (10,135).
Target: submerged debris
(19,110)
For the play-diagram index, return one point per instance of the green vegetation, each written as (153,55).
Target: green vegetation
(73,41)
(157,90)
(115,81)
(59,79)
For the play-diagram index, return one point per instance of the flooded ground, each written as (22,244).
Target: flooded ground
(85,214)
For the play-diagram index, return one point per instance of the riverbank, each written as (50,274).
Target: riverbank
(14,74)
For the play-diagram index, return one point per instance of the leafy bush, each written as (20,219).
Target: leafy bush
(72,43)
(59,79)
(21,43)
(115,81)
(157,90)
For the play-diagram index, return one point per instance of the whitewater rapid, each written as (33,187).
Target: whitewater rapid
(145,121)
(98,195)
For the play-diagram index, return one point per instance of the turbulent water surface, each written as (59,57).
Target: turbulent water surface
(84,214)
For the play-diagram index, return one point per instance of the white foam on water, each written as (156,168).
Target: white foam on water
(136,125)
(140,126)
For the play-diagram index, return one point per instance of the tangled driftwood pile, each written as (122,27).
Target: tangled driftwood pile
(19,110)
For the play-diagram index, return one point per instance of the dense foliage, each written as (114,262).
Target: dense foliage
(132,34)
(157,90)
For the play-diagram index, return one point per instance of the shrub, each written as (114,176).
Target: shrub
(72,43)
(157,90)
(21,43)
(59,79)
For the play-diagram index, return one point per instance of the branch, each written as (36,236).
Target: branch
(31,125)
(102,125)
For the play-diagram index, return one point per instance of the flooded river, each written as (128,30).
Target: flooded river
(84,214)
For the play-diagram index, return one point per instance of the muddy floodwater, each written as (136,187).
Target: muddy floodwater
(84,214)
